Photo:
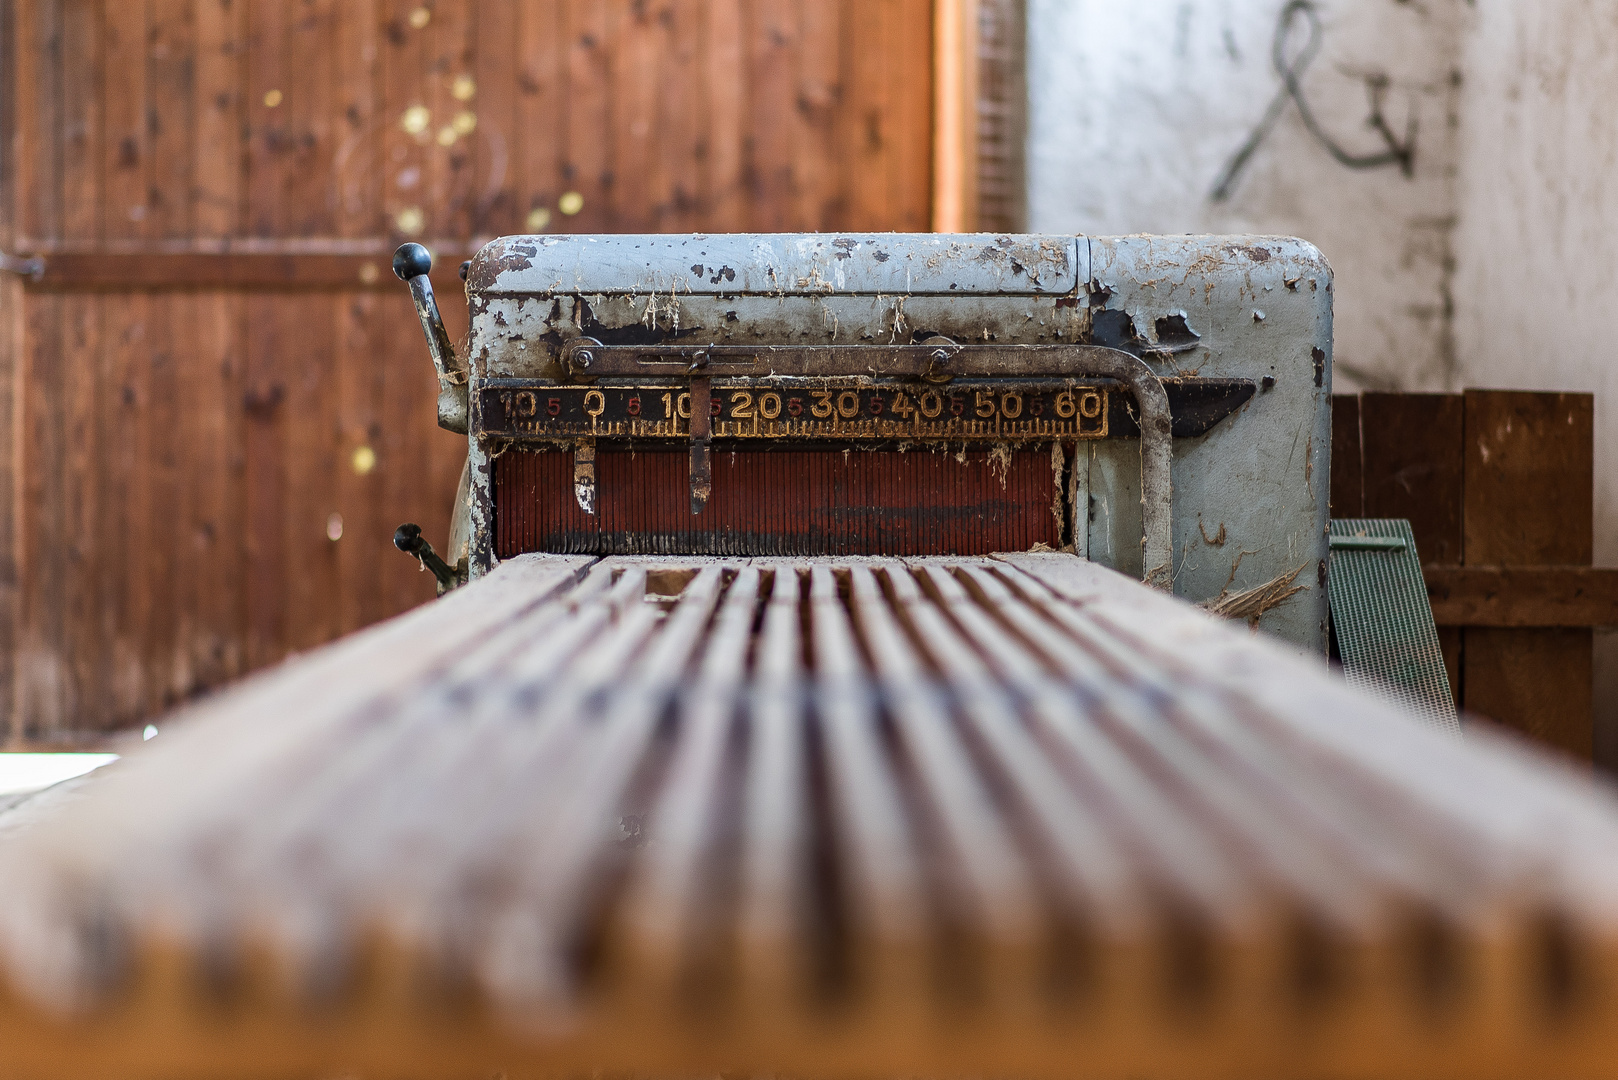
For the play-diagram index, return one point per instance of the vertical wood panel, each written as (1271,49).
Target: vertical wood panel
(175,456)
(123,533)
(42,675)
(219,115)
(266,126)
(80,493)
(540,132)
(39,79)
(635,168)
(357,173)
(768,148)
(1529,476)
(1412,467)
(73,394)
(119,530)
(726,90)
(681,129)
(591,136)
(910,117)
(496,142)
(448,36)
(264,450)
(212,544)
(171,61)
(81,120)
(1528,501)
(11,338)
(171,56)
(819,91)
(404,180)
(868,121)
(208,536)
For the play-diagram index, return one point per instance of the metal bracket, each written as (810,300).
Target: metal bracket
(935,361)
(32,267)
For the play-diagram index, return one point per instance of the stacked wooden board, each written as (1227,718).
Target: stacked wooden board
(1004,816)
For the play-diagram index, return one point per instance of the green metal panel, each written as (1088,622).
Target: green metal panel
(1384,625)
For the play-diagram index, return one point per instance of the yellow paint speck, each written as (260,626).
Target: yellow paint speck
(364,460)
(410,221)
(272,98)
(463,88)
(415,119)
(446,136)
(420,17)
(570,203)
(465,122)
(538,218)
(369,273)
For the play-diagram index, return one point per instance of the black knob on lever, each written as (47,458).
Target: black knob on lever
(411,264)
(411,260)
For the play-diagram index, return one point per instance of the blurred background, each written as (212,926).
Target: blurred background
(217,401)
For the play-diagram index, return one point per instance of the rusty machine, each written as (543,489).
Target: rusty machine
(1160,405)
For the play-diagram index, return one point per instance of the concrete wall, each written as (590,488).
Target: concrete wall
(1135,110)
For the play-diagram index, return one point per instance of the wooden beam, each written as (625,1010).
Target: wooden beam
(955,96)
(145,271)
(1523,596)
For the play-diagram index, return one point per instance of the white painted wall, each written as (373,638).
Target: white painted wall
(1135,108)
(1536,288)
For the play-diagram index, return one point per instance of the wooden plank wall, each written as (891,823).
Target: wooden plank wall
(1488,478)
(180,454)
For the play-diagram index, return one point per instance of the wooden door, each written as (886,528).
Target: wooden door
(217,401)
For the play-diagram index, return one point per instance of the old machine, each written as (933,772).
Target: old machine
(1160,405)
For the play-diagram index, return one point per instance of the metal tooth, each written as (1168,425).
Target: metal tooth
(584,475)
(701,433)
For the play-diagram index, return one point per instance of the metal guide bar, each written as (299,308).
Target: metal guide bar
(826,409)
(848,408)
(937,359)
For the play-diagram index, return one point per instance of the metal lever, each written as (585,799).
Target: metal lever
(408,539)
(411,264)
(32,268)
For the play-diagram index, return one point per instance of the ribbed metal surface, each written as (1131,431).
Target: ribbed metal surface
(1382,620)
(783,502)
(1010,817)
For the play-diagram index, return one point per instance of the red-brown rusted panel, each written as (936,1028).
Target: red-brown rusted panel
(782,502)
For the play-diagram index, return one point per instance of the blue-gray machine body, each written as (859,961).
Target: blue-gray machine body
(853,378)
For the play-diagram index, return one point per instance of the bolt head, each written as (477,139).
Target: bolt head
(583,358)
(940,355)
